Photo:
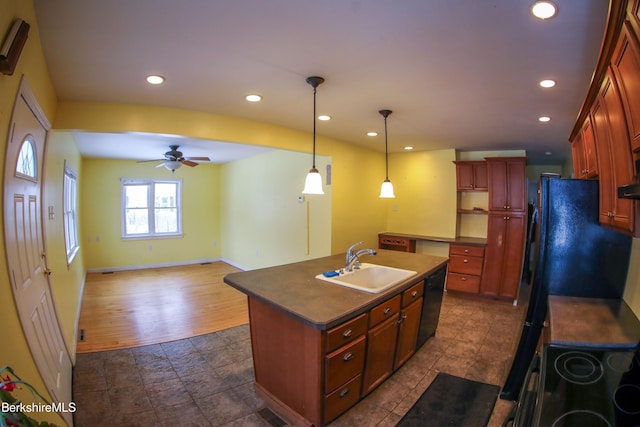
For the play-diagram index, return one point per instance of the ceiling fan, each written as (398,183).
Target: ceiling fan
(173,159)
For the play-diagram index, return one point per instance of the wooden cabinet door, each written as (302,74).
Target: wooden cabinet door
(464,176)
(480,176)
(506,178)
(589,148)
(513,255)
(408,332)
(381,346)
(577,154)
(504,255)
(615,165)
(626,67)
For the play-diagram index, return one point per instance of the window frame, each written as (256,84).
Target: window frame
(151,208)
(70,213)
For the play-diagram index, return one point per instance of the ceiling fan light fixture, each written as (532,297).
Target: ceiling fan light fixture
(386,190)
(172,165)
(313,182)
(547,83)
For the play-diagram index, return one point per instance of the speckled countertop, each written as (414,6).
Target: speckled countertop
(293,288)
(592,322)
(474,241)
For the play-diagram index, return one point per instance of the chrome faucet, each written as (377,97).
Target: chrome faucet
(352,257)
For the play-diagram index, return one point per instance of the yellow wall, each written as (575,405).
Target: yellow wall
(32,65)
(263,222)
(67,281)
(425,187)
(100,195)
(632,290)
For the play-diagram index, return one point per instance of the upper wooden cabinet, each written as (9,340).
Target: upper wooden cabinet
(471,175)
(583,149)
(507,187)
(625,64)
(615,165)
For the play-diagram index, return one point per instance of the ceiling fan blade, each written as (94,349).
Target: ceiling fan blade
(188,162)
(154,160)
(202,159)
(160,165)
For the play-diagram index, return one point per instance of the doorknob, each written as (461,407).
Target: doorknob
(48,272)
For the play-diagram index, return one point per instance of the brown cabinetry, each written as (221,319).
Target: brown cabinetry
(507,184)
(408,326)
(503,259)
(471,175)
(465,268)
(626,68)
(615,165)
(583,149)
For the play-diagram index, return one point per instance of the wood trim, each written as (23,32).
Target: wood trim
(617,14)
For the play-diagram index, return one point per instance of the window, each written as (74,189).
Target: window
(70,213)
(151,208)
(26,166)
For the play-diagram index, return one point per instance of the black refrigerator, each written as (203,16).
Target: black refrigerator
(574,256)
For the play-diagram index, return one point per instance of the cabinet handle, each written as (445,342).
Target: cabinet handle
(344,393)
(506,218)
(504,206)
(508,207)
(463,279)
(348,357)
(347,333)
(401,319)
(414,294)
(466,251)
(387,310)
(466,260)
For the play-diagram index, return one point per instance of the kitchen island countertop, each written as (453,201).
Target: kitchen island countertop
(294,290)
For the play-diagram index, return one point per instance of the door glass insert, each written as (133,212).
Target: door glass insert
(26,166)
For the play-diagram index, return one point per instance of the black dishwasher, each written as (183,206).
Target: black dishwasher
(431,303)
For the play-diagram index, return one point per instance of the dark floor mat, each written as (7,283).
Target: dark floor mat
(453,401)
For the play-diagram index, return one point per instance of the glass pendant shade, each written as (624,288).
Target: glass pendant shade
(386,191)
(172,165)
(313,183)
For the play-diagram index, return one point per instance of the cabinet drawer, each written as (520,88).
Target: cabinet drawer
(412,294)
(346,332)
(463,282)
(343,364)
(342,399)
(465,264)
(384,311)
(477,251)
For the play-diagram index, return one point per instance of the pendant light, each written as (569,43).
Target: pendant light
(386,191)
(313,183)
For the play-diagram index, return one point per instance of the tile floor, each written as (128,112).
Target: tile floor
(207,380)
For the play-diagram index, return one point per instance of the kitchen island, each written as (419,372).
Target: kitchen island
(318,347)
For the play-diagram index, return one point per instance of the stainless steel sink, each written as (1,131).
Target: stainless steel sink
(370,278)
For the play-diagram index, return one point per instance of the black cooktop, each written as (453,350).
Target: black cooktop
(587,387)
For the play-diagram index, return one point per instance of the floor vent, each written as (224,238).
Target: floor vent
(107,272)
(205,263)
(271,418)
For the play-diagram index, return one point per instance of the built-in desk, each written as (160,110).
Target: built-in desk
(407,242)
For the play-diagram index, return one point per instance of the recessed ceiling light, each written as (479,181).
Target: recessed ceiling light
(548,153)
(544,9)
(324,117)
(544,119)
(547,83)
(408,148)
(253,98)
(372,133)
(155,79)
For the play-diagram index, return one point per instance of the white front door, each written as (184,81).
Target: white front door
(26,258)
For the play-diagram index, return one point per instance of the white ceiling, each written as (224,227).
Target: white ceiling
(457,73)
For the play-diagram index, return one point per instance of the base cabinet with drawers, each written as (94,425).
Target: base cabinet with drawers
(465,268)
(310,376)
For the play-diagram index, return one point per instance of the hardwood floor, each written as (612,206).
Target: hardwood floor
(127,309)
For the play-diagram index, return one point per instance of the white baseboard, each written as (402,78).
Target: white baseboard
(146,266)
